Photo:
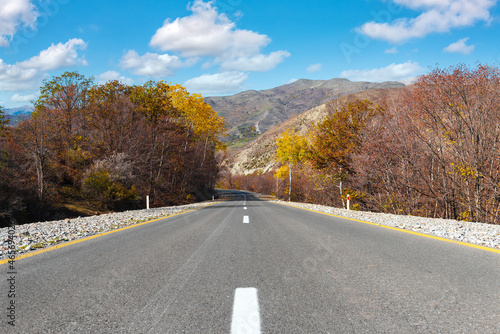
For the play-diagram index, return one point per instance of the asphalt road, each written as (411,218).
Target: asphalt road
(279,270)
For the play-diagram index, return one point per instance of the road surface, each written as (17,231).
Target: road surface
(253,266)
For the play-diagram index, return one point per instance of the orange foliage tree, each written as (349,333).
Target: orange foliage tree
(338,138)
(111,145)
(456,117)
(435,151)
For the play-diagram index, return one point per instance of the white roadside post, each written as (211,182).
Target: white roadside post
(147,202)
(348,202)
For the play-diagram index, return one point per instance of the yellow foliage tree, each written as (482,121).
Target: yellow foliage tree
(291,150)
(199,117)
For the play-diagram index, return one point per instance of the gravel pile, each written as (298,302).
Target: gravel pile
(30,237)
(487,235)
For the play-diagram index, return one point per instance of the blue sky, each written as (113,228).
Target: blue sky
(224,47)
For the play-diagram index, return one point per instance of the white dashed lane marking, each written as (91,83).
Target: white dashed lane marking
(246,219)
(246,316)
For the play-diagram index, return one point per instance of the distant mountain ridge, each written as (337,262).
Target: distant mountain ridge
(19,114)
(24,110)
(251,113)
(259,154)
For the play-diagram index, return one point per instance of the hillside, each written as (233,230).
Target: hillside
(251,113)
(259,154)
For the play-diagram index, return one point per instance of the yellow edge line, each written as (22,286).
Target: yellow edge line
(489,249)
(23,256)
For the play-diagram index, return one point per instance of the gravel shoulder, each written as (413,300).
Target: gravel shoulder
(487,235)
(30,237)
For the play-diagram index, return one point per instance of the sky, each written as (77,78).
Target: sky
(228,46)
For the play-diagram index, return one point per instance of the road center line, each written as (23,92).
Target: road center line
(246,219)
(246,316)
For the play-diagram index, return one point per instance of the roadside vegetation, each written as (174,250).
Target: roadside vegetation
(434,152)
(90,148)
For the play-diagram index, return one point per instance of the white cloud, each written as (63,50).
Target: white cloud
(220,83)
(436,16)
(151,64)
(393,72)
(27,74)
(15,14)
(460,47)
(58,56)
(113,75)
(16,98)
(207,33)
(212,39)
(314,68)
(257,63)
(391,50)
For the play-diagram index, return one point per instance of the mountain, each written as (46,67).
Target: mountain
(19,114)
(24,110)
(251,113)
(259,154)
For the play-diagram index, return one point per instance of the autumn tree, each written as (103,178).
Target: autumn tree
(457,119)
(338,137)
(181,139)
(35,138)
(202,120)
(153,102)
(203,128)
(111,119)
(111,144)
(434,151)
(16,178)
(291,149)
(66,97)
(388,164)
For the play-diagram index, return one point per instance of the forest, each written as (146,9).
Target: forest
(90,148)
(434,151)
